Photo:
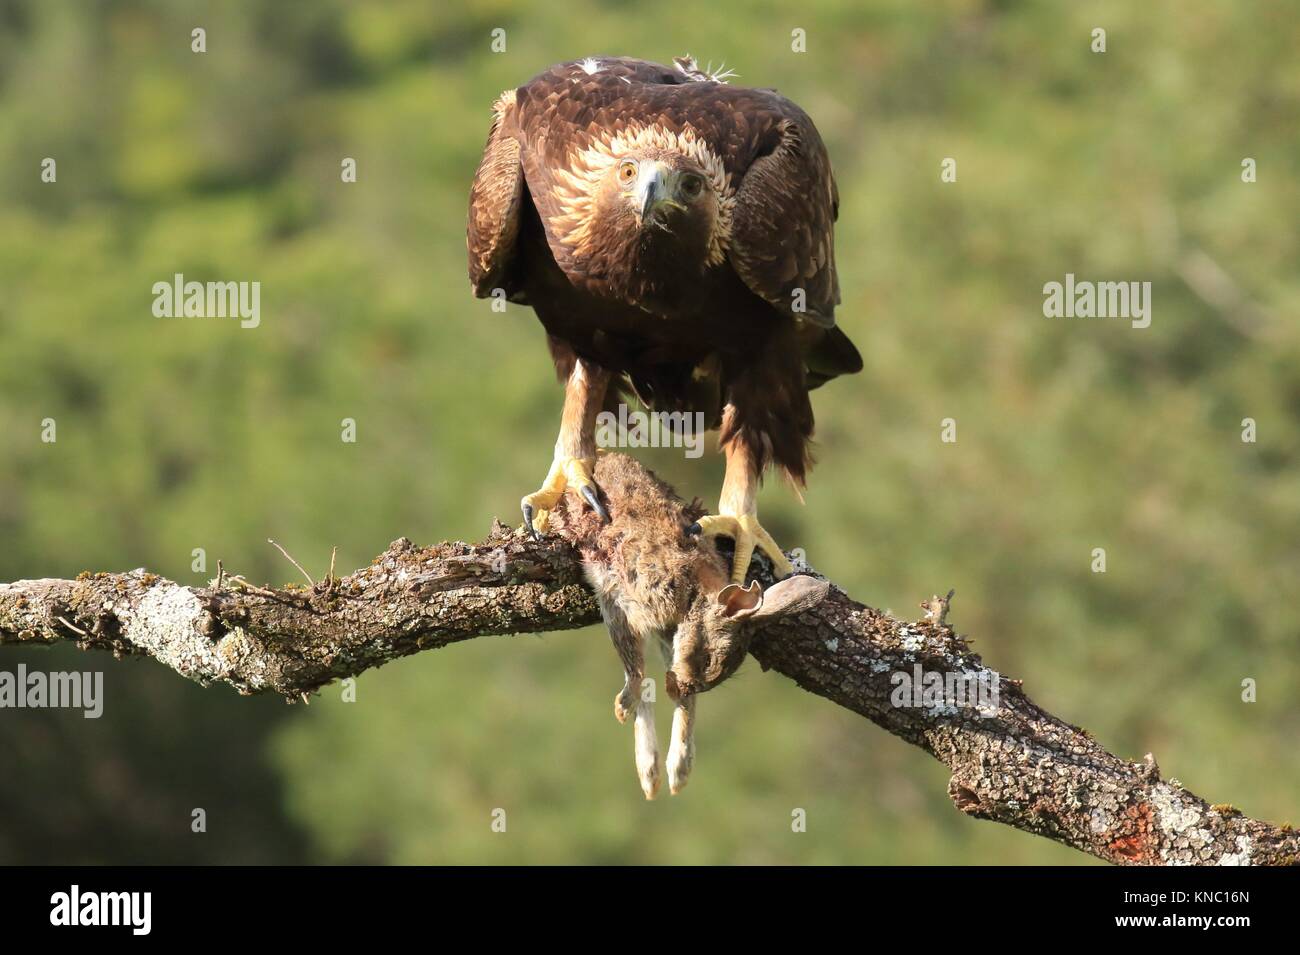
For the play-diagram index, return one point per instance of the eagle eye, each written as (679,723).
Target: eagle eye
(692,186)
(627,171)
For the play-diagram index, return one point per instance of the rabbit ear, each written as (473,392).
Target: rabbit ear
(792,595)
(738,601)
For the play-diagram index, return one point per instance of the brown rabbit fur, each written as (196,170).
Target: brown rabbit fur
(654,577)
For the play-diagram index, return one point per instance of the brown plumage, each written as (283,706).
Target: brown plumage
(675,231)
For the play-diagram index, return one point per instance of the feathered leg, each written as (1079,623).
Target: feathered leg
(737,515)
(575,448)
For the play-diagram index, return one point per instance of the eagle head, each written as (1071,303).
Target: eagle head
(661,204)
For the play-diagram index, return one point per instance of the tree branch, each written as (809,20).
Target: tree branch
(1014,763)
(294,640)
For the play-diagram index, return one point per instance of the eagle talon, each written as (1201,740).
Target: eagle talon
(564,473)
(589,494)
(749,536)
(528,520)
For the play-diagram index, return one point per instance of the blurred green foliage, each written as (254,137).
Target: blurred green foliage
(180,434)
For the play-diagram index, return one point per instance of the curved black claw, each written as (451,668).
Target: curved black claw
(528,521)
(589,493)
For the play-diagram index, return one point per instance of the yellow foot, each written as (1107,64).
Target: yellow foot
(748,534)
(565,472)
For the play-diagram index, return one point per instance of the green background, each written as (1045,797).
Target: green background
(189,433)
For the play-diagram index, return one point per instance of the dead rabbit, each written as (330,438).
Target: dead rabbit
(657,578)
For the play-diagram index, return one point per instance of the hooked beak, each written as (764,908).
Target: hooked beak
(654,191)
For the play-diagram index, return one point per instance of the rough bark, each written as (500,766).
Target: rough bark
(294,640)
(1011,762)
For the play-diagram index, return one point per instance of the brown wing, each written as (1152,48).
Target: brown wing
(554,133)
(783,223)
(494,204)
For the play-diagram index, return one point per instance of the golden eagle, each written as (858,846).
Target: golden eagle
(675,235)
